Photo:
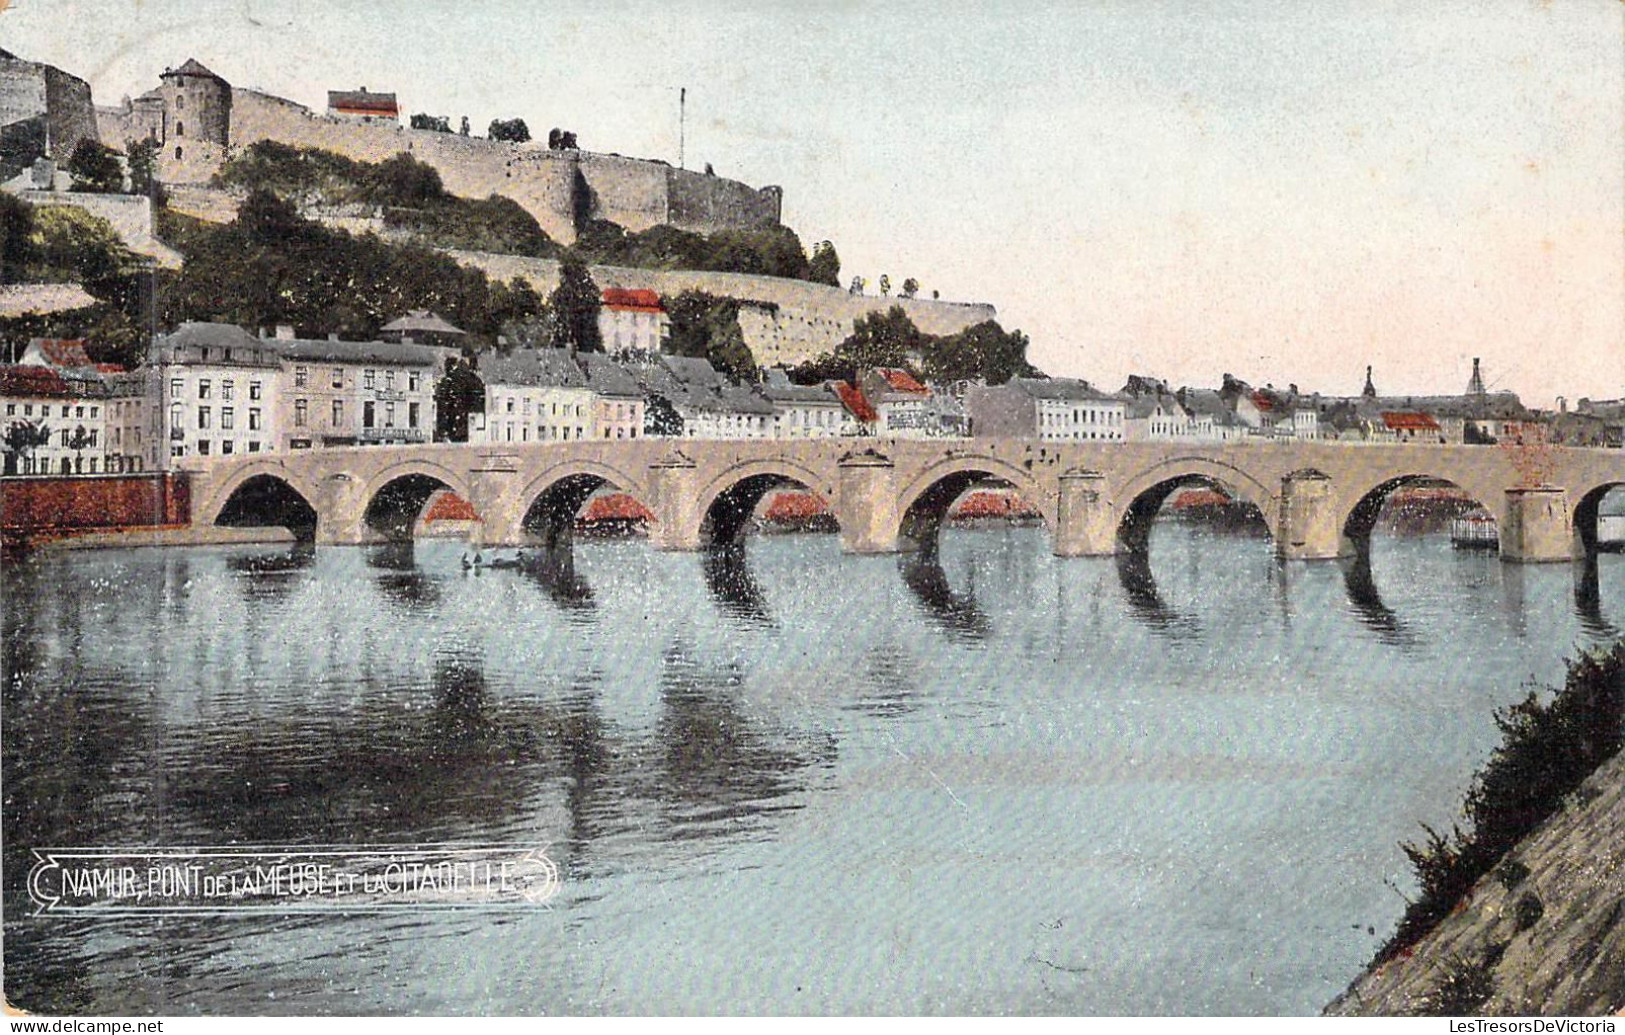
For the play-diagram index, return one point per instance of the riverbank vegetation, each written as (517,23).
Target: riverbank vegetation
(1550,744)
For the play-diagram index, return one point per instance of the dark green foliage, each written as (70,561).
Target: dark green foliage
(18,253)
(660,418)
(21,144)
(142,158)
(825,266)
(704,326)
(403,180)
(496,224)
(304,175)
(512,130)
(1465,988)
(575,304)
(986,351)
(95,168)
(437,123)
(1547,750)
(458,394)
(766,251)
(271,266)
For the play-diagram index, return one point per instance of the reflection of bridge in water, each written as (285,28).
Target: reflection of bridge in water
(1318,500)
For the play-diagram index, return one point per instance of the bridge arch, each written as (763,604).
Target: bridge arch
(394,498)
(266,497)
(549,502)
(1361,502)
(727,502)
(1587,509)
(924,503)
(1142,496)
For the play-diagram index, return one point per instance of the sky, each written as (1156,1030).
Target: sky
(1284,191)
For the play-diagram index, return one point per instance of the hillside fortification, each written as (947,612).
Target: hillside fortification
(200,121)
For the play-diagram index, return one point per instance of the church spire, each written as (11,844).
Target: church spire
(1370,390)
(1476,385)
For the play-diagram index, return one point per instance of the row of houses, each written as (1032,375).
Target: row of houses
(211,389)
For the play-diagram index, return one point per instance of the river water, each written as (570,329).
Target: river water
(783,780)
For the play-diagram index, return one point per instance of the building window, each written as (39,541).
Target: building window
(301,377)
(254,389)
(180,128)
(253,419)
(413,379)
(226,446)
(389,380)
(227,389)
(203,447)
(202,417)
(389,415)
(338,412)
(176,421)
(370,379)
(78,411)
(94,410)
(338,377)
(368,413)
(64,409)
(227,418)
(301,412)
(253,447)
(203,389)
(177,154)
(411,415)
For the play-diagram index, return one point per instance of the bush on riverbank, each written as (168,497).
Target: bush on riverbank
(1547,750)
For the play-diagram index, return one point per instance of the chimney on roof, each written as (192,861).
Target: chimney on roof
(284,332)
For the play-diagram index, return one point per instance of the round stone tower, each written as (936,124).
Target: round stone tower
(197,122)
(199,104)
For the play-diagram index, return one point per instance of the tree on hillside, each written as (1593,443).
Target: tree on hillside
(986,351)
(403,180)
(463,129)
(513,131)
(825,266)
(95,168)
(887,339)
(707,327)
(885,285)
(142,158)
(858,286)
(437,123)
(911,287)
(575,304)
(18,250)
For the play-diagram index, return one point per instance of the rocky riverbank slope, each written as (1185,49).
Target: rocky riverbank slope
(1543,933)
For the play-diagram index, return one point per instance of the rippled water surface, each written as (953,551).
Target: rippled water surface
(778,779)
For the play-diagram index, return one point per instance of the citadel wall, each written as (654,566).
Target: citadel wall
(784,321)
(29,90)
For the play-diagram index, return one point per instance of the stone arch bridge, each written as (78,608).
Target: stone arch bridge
(1319,500)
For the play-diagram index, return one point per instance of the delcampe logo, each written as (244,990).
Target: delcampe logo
(290,879)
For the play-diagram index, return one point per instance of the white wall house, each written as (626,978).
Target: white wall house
(216,389)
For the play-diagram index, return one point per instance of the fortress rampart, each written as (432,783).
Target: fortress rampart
(48,102)
(559,188)
(790,321)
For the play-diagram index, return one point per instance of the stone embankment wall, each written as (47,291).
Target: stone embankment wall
(792,320)
(32,508)
(557,187)
(129,214)
(1543,933)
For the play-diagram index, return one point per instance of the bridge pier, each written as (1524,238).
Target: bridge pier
(869,520)
(341,512)
(1085,523)
(674,490)
(489,486)
(1309,528)
(1538,526)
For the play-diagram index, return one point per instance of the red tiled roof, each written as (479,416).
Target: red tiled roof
(109,368)
(986,504)
(448,506)
(363,103)
(852,398)
(902,381)
(636,299)
(1408,420)
(794,506)
(33,381)
(1264,403)
(616,506)
(64,352)
(1199,498)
